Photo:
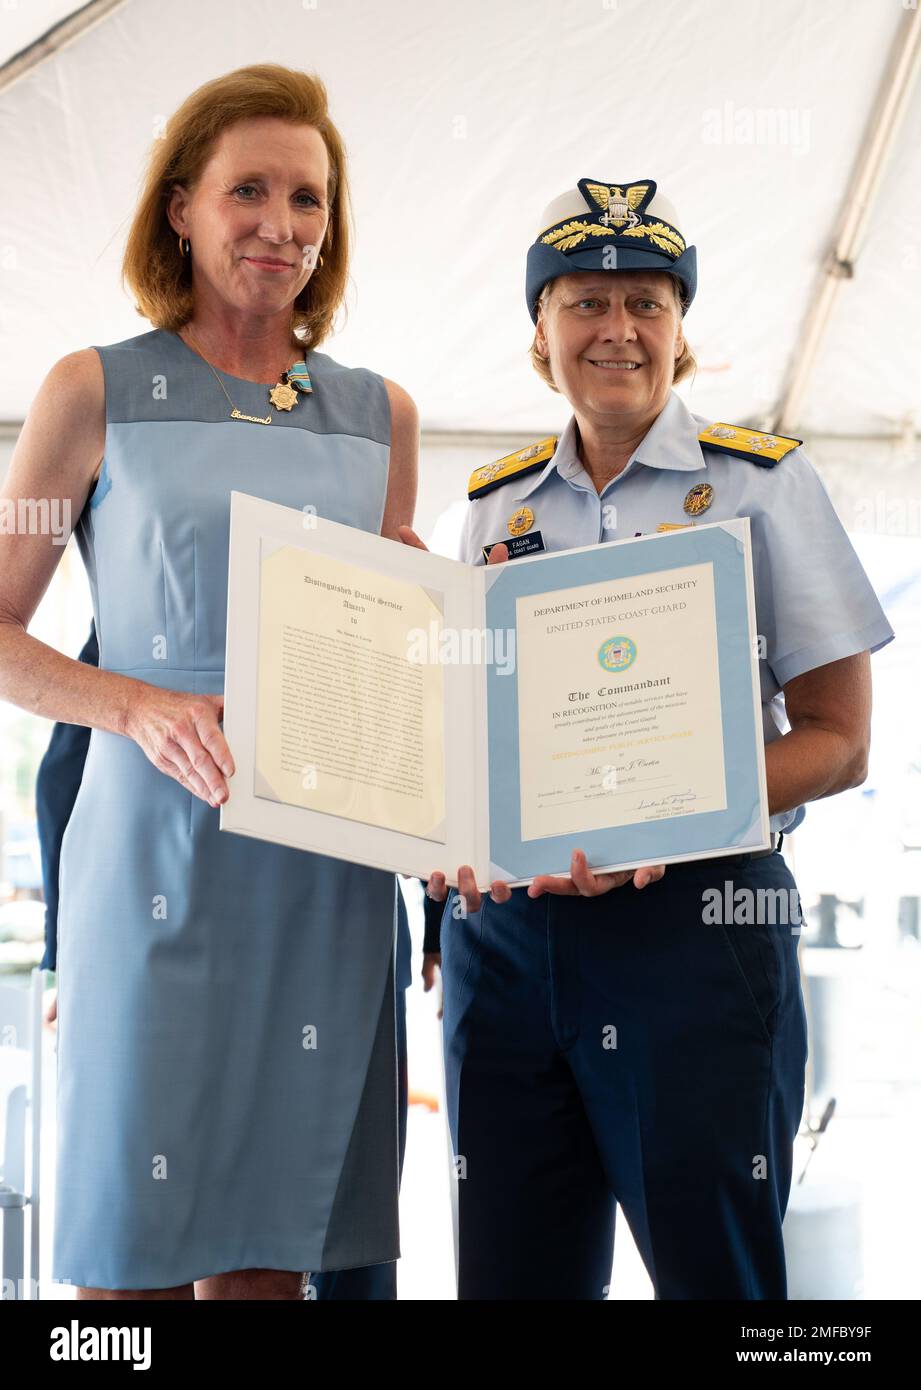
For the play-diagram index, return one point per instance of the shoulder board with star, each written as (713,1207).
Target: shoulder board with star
(492,475)
(764,449)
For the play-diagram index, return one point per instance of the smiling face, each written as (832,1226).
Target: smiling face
(612,337)
(261,197)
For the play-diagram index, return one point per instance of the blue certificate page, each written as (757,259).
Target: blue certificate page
(627,725)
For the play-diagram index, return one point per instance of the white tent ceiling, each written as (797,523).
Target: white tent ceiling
(462,122)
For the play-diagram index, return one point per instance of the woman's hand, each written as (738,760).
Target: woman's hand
(431,970)
(180,734)
(409,537)
(582,882)
(588,885)
(467,889)
(497,555)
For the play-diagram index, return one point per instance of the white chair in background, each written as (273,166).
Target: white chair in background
(20,1160)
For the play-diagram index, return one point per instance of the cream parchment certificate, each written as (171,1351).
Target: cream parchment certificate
(405,711)
(346,722)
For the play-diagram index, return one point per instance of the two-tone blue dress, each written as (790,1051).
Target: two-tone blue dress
(196,1133)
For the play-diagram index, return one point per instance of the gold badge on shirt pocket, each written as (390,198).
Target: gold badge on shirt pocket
(520,521)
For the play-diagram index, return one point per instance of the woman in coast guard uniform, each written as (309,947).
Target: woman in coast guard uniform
(689,1121)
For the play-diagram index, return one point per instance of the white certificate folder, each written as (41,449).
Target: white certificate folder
(402,710)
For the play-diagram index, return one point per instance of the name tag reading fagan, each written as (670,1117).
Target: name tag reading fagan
(518,545)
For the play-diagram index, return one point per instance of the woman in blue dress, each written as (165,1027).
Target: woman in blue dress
(203,1151)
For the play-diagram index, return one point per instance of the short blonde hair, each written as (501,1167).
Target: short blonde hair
(684,365)
(153,268)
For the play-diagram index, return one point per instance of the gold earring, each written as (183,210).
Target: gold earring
(188,246)
(319,262)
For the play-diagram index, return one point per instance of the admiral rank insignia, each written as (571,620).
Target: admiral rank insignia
(521,540)
(764,449)
(493,475)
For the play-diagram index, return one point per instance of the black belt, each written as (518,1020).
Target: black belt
(776,842)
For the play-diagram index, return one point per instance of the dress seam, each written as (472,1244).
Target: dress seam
(291,425)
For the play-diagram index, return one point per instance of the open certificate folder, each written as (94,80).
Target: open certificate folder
(409,712)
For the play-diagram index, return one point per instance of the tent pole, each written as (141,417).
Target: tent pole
(882,129)
(54,39)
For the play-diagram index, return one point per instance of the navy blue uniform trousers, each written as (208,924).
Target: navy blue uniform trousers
(621,1049)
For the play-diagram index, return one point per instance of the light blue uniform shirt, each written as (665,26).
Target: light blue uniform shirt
(813,601)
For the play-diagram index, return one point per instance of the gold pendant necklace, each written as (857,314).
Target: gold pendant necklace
(282,395)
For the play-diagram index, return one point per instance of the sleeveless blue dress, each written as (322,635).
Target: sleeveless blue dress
(196,1133)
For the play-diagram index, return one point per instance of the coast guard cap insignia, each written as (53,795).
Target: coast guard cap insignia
(618,205)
